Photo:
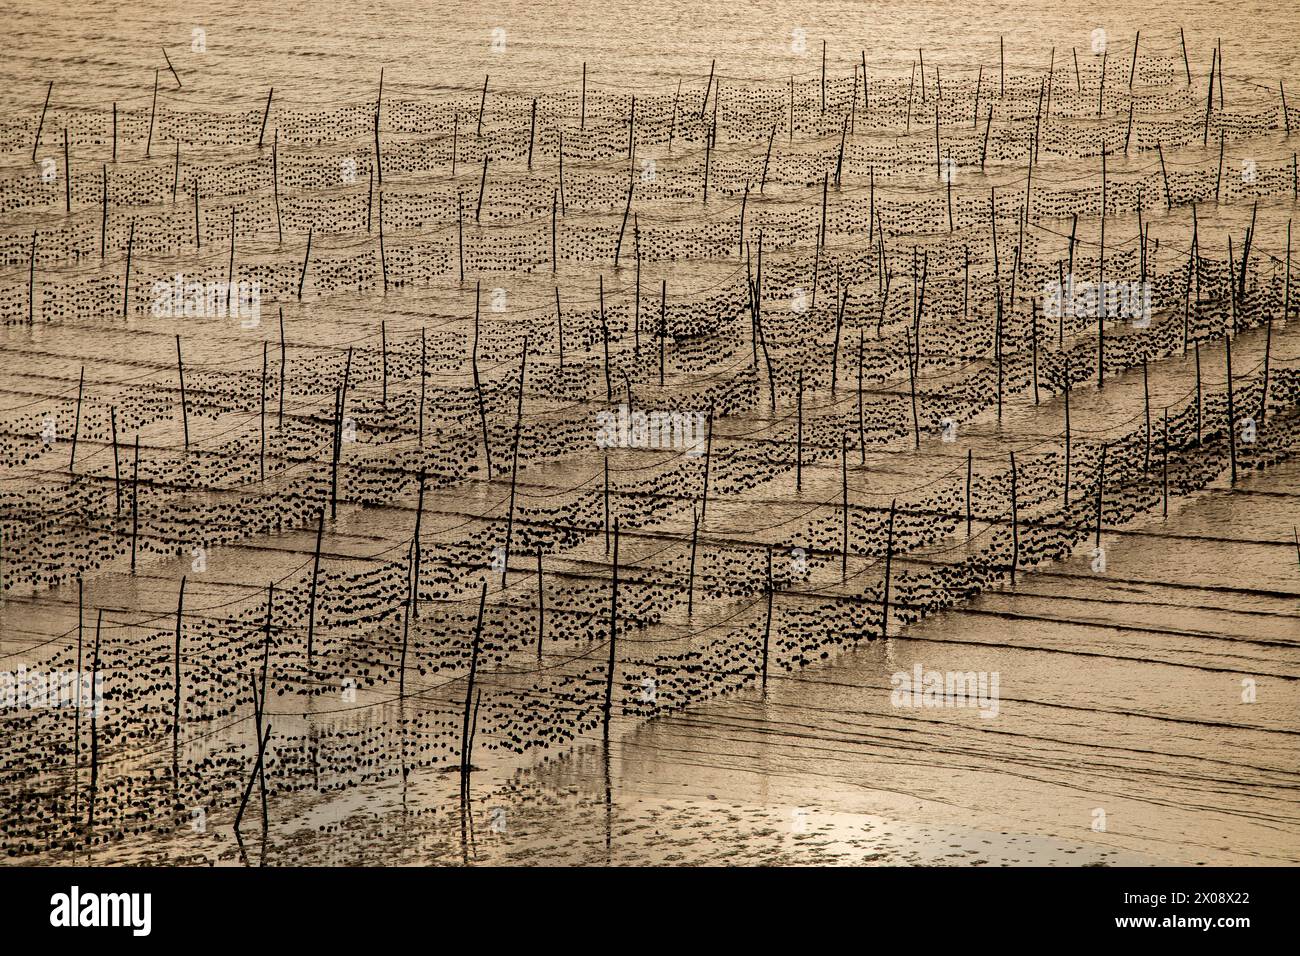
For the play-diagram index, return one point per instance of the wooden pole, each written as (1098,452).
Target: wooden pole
(1197,348)
(889,561)
(514,467)
(541,605)
(266,113)
(76,715)
(176,690)
(532,128)
(261,464)
(483,102)
(1066,394)
(604,338)
(179,85)
(1033,335)
(559,320)
(708,151)
(708,86)
(36,144)
(835,349)
(423,381)
(152,111)
(334,457)
(230,275)
(31,283)
(613,638)
(94,727)
(1146,404)
(911,383)
(383,348)
(67,173)
(798,468)
(469,687)
(844,494)
(618,248)
(284,361)
(1209,100)
(970,460)
(1101,485)
(478,385)
(117,472)
(417,550)
(482,185)
(126,284)
(767,626)
(135,501)
(383,257)
(708,461)
(302,277)
(1164,465)
(1169,202)
(862,428)
(76,428)
(1015,523)
(315,579)
(1101,86)
(379,106)
(690,578)
(1232,414)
